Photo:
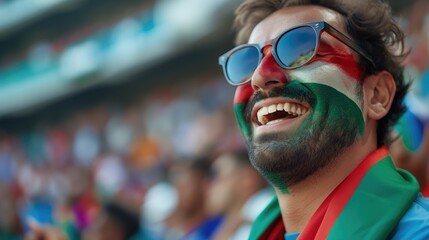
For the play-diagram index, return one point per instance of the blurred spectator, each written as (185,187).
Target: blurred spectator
(410,150)
(110,176)
(238,193)
(63,171)
(114,222)
(10,226)
(189,220)
(159,203)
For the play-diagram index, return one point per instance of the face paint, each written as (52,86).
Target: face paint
(343,60)
(331,76)
(242,96)
(333,123)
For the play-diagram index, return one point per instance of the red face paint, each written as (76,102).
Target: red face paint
(342,59)
(243,93)
(268,69)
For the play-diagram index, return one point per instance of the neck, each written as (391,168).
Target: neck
(303,199)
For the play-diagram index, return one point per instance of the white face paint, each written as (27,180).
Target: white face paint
(330,75)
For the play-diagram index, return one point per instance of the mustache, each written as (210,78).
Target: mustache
(294,91)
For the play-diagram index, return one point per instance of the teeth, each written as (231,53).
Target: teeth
(272,108)
(291,108)
(287,107)
(261,115)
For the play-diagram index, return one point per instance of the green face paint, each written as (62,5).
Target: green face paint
(333,123)
(245,126)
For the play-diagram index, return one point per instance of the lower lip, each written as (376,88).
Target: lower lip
(286,124)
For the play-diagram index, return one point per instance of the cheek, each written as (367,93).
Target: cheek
(335,109)
(241,98)
(243,94)
(331,76)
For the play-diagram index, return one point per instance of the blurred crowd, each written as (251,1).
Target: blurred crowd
(411,150)
(69,173)
(166,165)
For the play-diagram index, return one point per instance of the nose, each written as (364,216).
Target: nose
(268,74)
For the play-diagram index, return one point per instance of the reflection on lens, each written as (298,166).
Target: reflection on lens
(242,63)
(297,46)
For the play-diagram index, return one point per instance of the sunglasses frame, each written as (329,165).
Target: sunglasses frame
(318,27)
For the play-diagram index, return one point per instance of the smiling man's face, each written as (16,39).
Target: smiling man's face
(297,121)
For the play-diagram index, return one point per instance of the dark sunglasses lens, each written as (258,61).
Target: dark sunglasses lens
(241,64)
(297,46)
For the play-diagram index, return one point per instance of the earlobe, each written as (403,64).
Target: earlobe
(379,91)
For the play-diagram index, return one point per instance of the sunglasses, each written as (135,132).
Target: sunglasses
(291,49)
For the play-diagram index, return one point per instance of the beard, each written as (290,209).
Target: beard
(286,159)
(295,158)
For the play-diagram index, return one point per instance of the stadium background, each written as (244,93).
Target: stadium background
(98,98)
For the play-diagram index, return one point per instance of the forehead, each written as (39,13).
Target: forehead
(285,18)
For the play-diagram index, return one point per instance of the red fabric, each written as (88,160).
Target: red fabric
(425,190)
(275,232)
(324,218)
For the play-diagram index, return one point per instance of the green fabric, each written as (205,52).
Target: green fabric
(265,219)
(376,206)
(382,198)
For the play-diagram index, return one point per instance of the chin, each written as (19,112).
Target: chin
(294,158)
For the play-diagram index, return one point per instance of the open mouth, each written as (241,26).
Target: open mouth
(277,112)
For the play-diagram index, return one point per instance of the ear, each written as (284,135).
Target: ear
(378,90)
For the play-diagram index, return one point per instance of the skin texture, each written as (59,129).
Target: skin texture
(330,86)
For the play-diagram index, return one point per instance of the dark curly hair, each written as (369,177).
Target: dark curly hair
(370,25)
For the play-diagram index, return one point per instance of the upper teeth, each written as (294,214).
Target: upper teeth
(291,108)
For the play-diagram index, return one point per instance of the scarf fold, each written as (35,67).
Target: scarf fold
(368,204)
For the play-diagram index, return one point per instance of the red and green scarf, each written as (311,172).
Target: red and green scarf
(368,204)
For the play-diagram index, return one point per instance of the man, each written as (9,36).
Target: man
(319,86)
(236,184)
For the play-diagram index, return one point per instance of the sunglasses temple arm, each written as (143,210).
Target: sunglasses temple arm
(343,38)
